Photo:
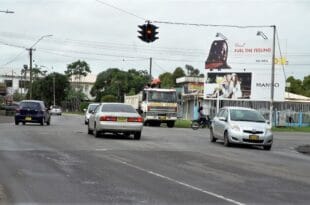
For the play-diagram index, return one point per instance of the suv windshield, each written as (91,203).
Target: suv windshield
(246,115)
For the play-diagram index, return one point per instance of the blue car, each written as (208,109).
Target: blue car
(32,111)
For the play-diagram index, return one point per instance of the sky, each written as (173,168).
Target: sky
(104,32)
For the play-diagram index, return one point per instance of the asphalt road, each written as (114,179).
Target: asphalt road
(62,164)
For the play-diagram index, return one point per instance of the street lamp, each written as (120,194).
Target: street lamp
(7,11)
(30,63)
(260,33)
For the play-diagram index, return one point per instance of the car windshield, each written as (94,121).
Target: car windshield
(30,105)
(118,108)
(246,115)
(92,107)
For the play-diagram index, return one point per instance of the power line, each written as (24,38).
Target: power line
(122,10)
(13,59)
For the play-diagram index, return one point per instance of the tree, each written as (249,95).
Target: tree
(116,82)
(177,73)
(192,72)
(306,85)
(166,80)
(43,88)
(78,69)
(295,85)
(109,98)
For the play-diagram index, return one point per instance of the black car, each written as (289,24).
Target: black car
(33,111)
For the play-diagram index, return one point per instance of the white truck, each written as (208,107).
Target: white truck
(156,105)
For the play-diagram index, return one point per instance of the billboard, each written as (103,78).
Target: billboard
(241,70)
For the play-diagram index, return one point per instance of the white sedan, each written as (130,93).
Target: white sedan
(117,118)
(238,125)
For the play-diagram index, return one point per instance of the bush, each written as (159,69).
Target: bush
(83,105)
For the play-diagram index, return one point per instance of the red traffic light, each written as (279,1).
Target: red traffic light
(148,32)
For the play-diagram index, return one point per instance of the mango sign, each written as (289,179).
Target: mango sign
(281,61)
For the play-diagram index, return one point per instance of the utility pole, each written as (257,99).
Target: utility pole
(54,95)
(30,63)
(30,70)
(151,67)
(272,74)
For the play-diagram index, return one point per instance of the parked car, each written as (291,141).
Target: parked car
(238,125)
(55,110)
(115,118)
(33,111)
(89,110)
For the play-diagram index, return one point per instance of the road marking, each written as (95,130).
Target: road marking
(175,181)
(101,149)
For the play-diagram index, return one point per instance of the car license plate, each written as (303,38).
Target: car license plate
(253,137)
(121,119)
(162,117)
(28,118)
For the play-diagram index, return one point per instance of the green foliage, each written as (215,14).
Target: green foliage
(109,98)
(182,123)
(166,80)
(18,96)
(177,73)
(78,68)
(84,105)
(191,71)
(299,87)
(42,89)
(116,82)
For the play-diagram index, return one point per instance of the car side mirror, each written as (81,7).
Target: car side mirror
(223,119)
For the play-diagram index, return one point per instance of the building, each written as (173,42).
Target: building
(85,83)
(192,96)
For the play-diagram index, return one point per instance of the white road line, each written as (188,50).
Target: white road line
(101,149)
(175,181)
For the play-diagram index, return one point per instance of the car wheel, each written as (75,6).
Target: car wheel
(267,147)
(212,138)
(89,131)
(96,133)
(24,123)
(137,135)
(226,140)
(16,122)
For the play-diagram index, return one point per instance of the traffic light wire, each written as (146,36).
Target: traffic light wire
(122,10)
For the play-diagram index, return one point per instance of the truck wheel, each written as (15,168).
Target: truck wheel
(170,124)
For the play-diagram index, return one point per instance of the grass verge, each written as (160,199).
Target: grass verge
(183,123)
(291,129)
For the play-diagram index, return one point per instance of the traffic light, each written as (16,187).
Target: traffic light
(148,32)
